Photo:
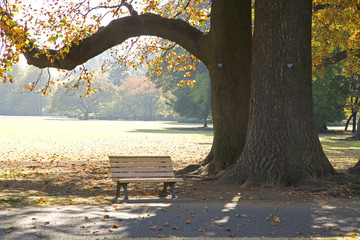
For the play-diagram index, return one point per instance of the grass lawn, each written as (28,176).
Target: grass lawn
(342,154)
(46,161)
(43,139)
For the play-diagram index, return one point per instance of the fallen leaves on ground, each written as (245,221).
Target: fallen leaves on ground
(45,168)
(275,219)
(352,234)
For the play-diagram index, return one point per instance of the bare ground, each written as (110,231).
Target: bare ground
(88,182)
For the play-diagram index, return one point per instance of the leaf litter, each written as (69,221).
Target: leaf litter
(68,164)
(65,162)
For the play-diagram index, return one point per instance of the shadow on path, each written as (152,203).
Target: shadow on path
(181,218)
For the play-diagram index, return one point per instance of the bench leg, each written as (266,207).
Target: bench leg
(162,193)
(124,185)
(117,190)
(119,185)
(172,186)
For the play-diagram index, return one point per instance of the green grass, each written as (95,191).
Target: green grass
(341,153)
(27,139)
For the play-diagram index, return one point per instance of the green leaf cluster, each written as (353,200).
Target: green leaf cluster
(330,93)
(190,102)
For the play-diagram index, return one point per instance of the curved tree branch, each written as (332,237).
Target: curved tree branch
(115,33)
(340,56)
(320,7)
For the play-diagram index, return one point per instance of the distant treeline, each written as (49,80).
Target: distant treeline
(124,95)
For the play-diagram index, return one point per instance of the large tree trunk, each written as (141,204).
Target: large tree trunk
(229,67)
(281,150)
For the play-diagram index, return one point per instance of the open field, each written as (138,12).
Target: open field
(60,161)
(63,140)
(46,161)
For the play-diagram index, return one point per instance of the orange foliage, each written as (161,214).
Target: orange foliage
(26,26)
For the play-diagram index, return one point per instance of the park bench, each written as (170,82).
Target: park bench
(140,169)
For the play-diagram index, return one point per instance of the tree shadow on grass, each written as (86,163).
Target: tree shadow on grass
(70,189)
(73,183)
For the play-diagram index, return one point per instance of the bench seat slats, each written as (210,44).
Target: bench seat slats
(141,180)
(143,175)
(149,169)
(140,164)
(139,159)
(139,156)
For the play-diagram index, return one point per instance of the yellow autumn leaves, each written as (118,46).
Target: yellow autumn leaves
(336,30)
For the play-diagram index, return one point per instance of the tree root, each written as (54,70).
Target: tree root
(355,170)
(341,184)
(196,171)
(355,137)
(188,170)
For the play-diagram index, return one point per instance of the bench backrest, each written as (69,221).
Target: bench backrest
(141,167)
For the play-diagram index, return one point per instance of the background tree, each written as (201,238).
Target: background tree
(15,100)
(352,103)
(72,104)
(139,99)
(189,102)
(330,94)
(199,98)
(336,35)
(336,40)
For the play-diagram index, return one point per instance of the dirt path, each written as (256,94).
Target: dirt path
(182,218)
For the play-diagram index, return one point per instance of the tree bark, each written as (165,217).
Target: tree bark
(205,122)
(355,170)
(229,67)
(354,122)
(280,150)
(356,136)
(86,116)
(348,121)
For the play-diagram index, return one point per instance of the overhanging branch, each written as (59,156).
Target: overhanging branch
(115,33)
(320,7)
(340,56)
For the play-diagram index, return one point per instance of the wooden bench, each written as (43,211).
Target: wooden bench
(139,169)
